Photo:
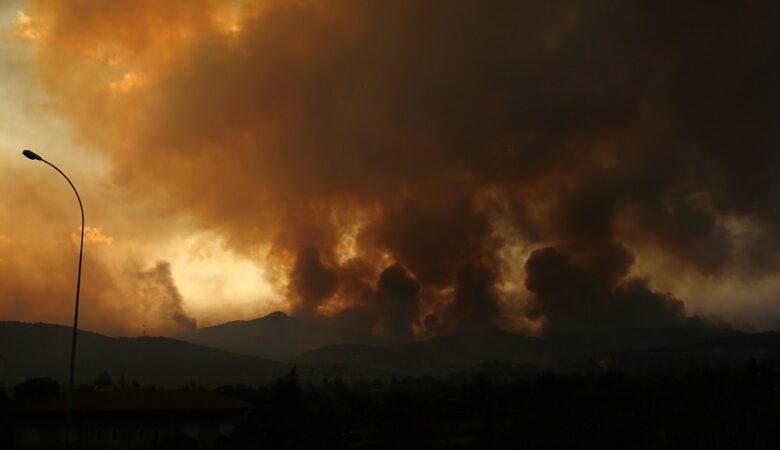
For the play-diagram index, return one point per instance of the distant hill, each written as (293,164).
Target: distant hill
(460,352)
(585,345)
(276,336)
(736,350)
(30,350)
(435,356)
(743,348)
(283,338)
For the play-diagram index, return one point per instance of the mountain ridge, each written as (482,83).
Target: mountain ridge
(459,352)
(274,336)
(39,349)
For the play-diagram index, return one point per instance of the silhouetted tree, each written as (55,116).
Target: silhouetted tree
(35,389)
(103,380)
(193,385)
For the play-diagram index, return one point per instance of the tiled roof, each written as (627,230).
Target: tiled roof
(138,400)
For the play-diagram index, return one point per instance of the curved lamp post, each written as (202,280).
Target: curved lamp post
(69,412)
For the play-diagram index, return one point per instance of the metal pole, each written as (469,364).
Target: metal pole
(69,394)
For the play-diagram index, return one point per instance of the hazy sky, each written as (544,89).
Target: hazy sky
(399,168)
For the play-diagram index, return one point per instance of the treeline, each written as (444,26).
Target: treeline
(5,426)
(700,407)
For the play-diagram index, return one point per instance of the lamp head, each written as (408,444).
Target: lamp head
(31,155)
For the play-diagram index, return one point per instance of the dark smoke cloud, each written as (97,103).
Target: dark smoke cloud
(434,234)
(572,299)
(444,135)
(475,302)
(386,305)
(397,300)
(311,281)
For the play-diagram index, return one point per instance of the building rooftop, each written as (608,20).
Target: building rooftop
(137,401)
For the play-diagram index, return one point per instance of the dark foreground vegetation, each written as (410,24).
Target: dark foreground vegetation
(5,430)
(697,407)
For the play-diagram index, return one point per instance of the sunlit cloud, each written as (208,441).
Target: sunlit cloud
(129,82)
(93,234)
(26,26)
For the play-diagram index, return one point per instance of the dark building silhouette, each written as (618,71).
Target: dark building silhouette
(137,419)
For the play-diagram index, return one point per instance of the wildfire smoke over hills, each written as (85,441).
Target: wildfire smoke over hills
(409,169)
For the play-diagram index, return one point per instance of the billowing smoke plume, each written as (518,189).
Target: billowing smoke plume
(389,307)
(158,292)
(38,278)
(572,299)
(402,159)
(311,280)
(397,297)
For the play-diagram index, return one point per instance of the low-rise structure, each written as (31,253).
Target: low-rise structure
(124,420)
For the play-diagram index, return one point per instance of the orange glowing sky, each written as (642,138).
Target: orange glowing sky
(214,142)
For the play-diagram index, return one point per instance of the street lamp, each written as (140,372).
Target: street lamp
(69,411)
